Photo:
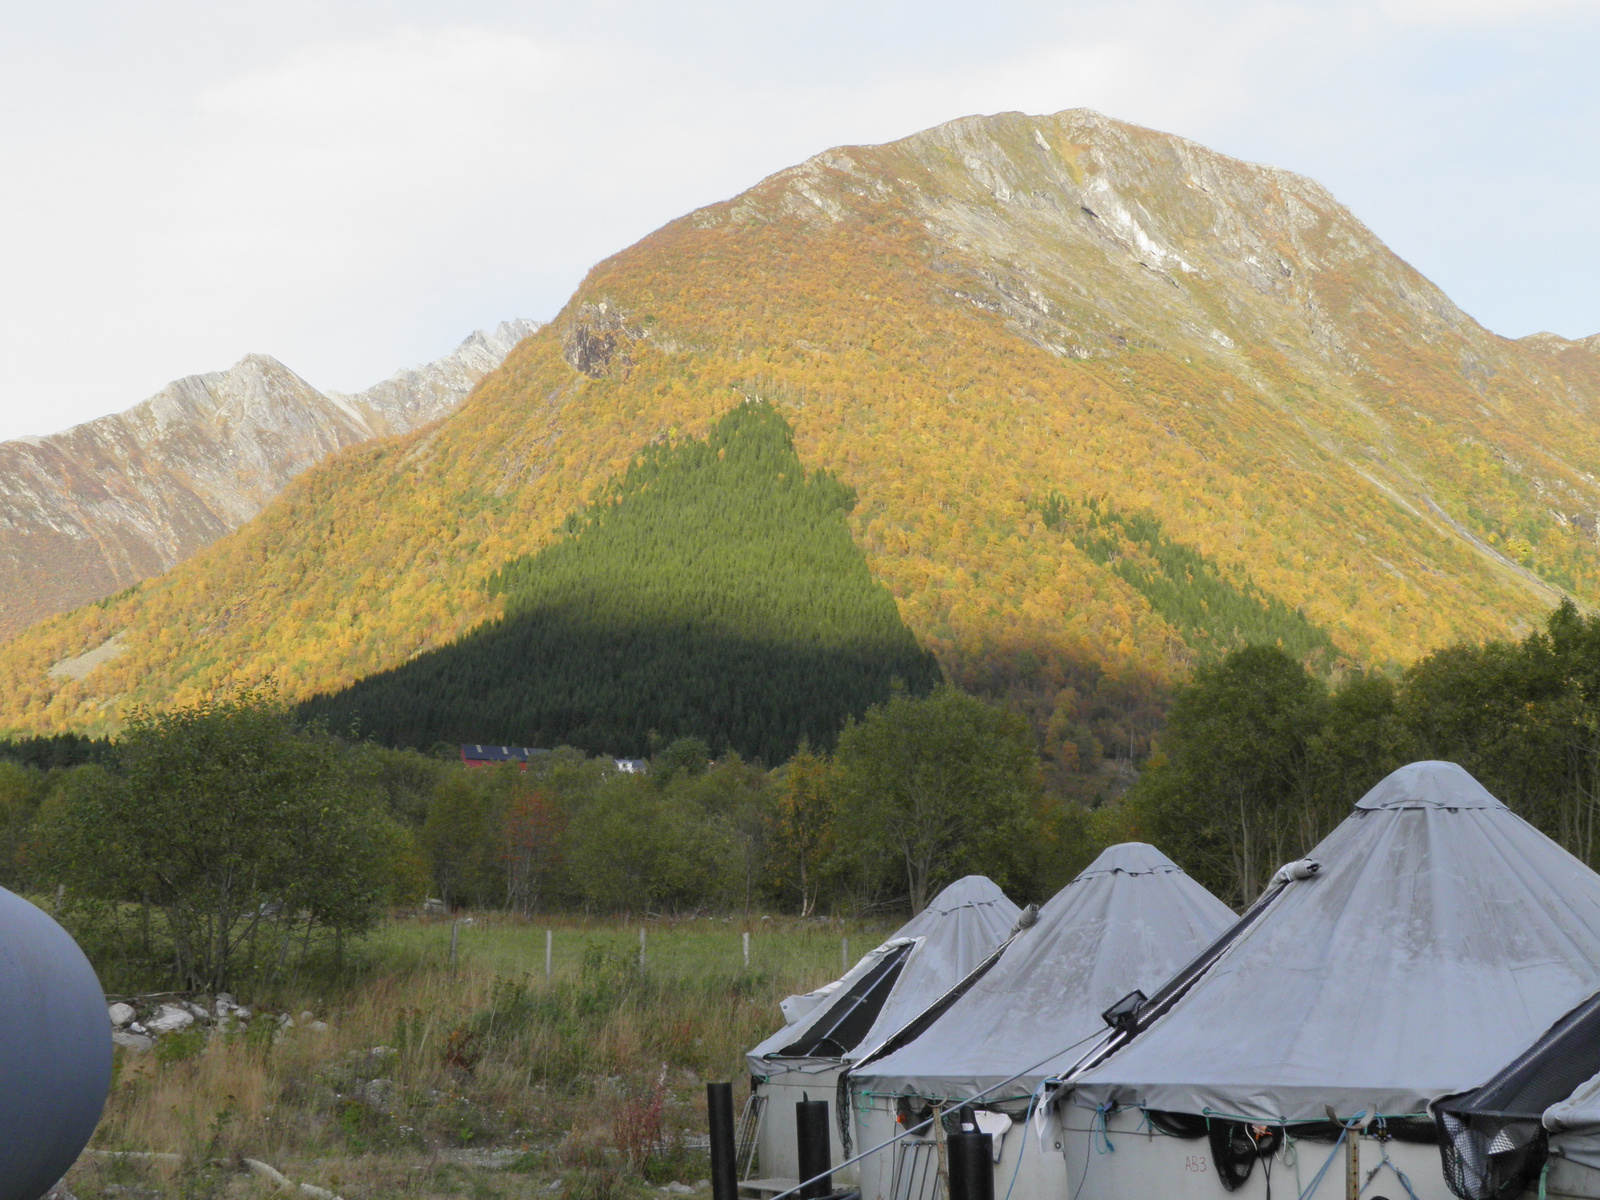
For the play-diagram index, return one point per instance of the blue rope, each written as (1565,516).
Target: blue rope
(1398,1173)
(1344,1128)
(1100,1128)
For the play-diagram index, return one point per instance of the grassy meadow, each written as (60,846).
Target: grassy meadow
(478,1079)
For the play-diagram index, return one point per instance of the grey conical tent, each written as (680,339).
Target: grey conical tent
(1129,920)
(1441,937)
(894,983)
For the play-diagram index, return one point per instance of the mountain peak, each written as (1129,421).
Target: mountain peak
(1110,401)
(104,504)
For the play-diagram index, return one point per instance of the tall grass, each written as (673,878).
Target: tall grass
(589,1082)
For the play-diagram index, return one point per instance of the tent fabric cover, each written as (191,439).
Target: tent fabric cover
(1128,920)
(958,929)
(1574,1124)
(1442,936)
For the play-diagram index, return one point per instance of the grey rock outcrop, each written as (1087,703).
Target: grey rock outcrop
(98,507)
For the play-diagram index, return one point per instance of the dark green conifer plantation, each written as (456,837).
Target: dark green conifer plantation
(1212,613)
(713,590)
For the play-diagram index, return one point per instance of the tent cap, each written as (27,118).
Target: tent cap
(1130,858)
(1429,785)
(969,889)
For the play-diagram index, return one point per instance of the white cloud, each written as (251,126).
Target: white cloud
(1446,13)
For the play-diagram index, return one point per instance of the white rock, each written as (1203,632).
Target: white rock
(121,1014)
(170,1018)
(319,1027)
(243,1012)
(378,1094)
(195,1011)
(137,1043)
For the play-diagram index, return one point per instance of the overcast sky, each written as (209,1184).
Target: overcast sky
(353,186)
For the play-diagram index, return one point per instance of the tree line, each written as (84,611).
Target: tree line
(230,840)
(1261,757)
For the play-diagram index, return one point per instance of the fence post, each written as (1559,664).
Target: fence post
(453,928)
(641,947)
(747,950)
(549,947)
(844,955)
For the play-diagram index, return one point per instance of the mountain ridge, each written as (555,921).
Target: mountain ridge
(99,506)
(959,324)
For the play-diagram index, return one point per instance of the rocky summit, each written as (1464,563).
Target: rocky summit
(105,504)
(1109,402)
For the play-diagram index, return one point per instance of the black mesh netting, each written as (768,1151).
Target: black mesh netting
(1420,1130)
(1491,1158)
(1235,1146)
(1492,1139)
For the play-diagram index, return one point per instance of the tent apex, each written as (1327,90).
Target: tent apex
(1130,858)
(1429,784)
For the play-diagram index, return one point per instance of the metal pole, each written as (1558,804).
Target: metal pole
(549,952)
(811,1140)
(747,950)
(719,1116)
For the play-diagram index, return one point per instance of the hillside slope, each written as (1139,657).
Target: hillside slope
(711,591)
(971,327)
(107,503)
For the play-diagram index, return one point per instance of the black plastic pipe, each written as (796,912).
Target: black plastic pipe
(811,1138)
(724,1169)
(971,1157)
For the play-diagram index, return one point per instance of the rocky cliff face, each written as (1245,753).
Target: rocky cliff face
(100,506)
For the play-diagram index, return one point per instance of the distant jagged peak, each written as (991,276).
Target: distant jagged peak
(415,396)
(114,500)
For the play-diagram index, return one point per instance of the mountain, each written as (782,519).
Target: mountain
(711,591)
(980,329)
(107,503)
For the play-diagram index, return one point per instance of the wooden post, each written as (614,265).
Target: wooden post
(549,948)
(942,1192)
(453,928)
(1352,1164)
(844,955)
(641,947)
(747,950)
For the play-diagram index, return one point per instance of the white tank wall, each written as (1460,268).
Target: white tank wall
(1023,1170)
(779,1155)
(1571,1181)
(1144,1163)
(1073,1163)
